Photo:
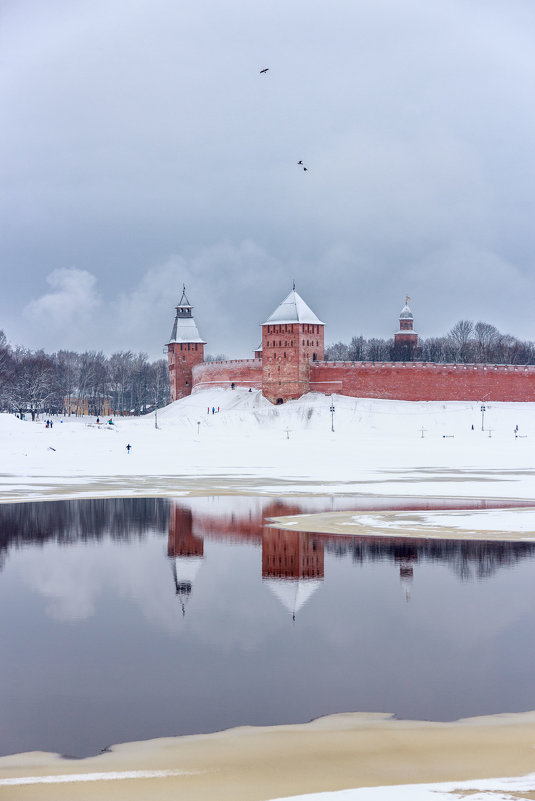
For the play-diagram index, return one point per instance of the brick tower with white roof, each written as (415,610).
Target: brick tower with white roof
(406,339)
(292,338)
(184,350)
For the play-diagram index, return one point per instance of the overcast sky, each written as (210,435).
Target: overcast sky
(141,149)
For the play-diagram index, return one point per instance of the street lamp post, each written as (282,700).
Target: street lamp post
(332,410)
(483,409)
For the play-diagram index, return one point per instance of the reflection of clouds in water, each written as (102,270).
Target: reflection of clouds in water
(74,580)
(78,581)
(217,597)
(69,585)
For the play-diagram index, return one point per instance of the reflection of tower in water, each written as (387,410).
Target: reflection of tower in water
(185,550)
(406,556)
(292,566)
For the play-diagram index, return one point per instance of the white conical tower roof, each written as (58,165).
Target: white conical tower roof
(293,309)
(184,327)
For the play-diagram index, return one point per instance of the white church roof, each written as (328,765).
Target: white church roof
(405,313)
(185,330)
(293,309)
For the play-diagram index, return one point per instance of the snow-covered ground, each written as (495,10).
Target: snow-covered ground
(378,446)
(482,790)
(500,789)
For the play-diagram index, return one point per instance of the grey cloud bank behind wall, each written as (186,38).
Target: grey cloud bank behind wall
(142,149)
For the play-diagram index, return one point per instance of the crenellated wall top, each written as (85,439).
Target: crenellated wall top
(530,368)
(229,363)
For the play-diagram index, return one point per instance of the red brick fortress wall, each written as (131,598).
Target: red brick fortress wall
(414,381)
(240,372)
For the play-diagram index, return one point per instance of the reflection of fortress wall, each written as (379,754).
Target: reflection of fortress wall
(129,519)
(181,540)
(291,554)
(248,526)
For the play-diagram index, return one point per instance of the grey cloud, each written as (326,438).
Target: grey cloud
(73,299)
(142,147)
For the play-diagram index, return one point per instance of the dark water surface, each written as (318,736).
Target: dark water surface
(130,619)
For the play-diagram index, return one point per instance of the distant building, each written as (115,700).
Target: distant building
(87,406)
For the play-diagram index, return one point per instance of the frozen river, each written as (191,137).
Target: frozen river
(138,618)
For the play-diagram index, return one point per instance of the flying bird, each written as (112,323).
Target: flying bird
(300,162)
(266,69)
(305,169)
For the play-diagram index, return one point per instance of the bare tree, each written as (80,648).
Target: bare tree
(486,336)
(121,368)
(462,332)
(337,352)
(6,369)
(66,379)
(93,382)
(461,338)
(32,387)
(357,349)
(378,350)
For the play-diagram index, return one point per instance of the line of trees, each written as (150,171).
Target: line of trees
(466,342)
(34,382)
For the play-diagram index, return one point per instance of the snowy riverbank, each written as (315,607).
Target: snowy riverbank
(378,447)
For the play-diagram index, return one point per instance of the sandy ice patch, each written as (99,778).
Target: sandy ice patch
(382,757)
(484,524)
(500,520)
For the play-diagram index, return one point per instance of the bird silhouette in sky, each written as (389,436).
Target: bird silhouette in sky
(300,162)
(305,169)
(266,69)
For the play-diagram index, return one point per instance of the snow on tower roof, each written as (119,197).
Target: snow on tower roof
(184,327)
(185,330)
(293,309)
